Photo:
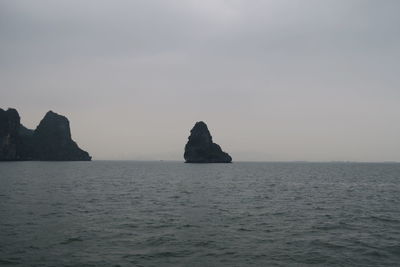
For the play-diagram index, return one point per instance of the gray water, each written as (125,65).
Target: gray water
(106,213)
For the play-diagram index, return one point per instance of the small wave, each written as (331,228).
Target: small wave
(241,229)
(204,243)
(8,262)
(129,225)
(158,255)
(71,240)
(187,226)
(384,219)
(394,249)
(376,253)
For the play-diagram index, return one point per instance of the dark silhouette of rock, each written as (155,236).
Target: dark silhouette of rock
(201,149)
(53,140)
(9,136)
(50,141)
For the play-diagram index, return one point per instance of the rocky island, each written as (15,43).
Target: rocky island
(51,140)
(200,147)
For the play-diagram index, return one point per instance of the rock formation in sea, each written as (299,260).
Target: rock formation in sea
(9,136)
(201,149)
(51,140)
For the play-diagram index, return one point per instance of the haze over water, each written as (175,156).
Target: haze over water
(275,80)
(124,213)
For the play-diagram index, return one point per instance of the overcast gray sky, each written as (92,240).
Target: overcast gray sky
(274,79)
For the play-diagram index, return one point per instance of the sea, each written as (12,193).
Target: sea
(131,213)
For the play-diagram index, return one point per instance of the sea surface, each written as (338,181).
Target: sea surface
(127,213)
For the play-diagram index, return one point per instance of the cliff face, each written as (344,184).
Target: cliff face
(50,141)
(9,137)
(201,149)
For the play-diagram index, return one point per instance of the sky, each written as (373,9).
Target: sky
(275,80)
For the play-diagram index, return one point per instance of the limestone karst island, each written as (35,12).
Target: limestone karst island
(50,141)
(200,147)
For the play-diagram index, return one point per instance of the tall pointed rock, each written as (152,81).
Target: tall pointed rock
(201,149)
(53,140)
